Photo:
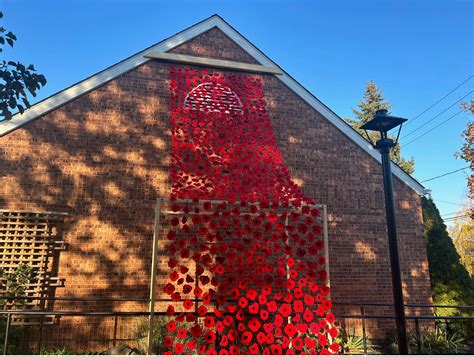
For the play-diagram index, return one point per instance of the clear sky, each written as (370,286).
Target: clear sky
(416,51)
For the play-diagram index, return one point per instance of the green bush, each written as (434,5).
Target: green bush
(14,337)
(159,333)
(451,283)
(441,340)
(57,351)
(353,344)
(13,284)
(66,351)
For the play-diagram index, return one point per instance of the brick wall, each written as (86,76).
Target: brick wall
(103,158)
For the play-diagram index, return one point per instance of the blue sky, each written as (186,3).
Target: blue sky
(416,51)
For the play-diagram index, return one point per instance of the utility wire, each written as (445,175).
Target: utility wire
(459,215)
(453,219)
(449,214)
(449,219)
(452,203)
(437,115)
(456,214)
(446,174)
(439,100)
(437,126)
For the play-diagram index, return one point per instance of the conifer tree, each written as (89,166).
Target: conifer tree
(370,103)
(450,281)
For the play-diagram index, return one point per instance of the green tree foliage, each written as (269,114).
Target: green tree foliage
(370,103)
(463,237)
(463,230)
(451,284)
(16,80)
(14,284)
(467,149)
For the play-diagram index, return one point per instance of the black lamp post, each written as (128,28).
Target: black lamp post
(384,123)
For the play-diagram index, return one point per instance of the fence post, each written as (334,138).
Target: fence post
(417,331)
(114,342)
(364,337)
(7,332)
(156,233)
(40,341)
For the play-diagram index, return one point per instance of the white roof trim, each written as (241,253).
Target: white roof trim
(110,73)
(211,62)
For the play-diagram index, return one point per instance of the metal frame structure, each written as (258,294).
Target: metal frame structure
(156,237)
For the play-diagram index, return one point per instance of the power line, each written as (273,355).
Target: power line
(437,126)
(460,213)
(439,100)
(446,174)
(449,214)
(448,219)
(437,115)
(453,203)
(456,215)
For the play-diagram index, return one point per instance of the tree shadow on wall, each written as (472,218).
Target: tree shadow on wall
(103,159)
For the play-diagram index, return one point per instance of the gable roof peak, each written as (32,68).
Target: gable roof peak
(56,100)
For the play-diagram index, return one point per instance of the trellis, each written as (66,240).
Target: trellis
(34,239)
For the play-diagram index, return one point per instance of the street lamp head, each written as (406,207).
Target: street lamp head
(383,123)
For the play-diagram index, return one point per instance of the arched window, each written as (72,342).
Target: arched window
(213,98)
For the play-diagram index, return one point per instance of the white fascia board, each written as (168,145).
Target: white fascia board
(211,62)
(102,77)
(110,73)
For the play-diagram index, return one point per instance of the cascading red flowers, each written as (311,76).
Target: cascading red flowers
(246,257)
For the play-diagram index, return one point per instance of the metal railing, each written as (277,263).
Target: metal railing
(362,316)
(416,318)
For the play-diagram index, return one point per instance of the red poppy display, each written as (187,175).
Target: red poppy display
(210,336)
(182,332)
(246,337)
(171,326)
(253,258)
(168,341)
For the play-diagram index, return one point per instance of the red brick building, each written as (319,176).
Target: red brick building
(100,152)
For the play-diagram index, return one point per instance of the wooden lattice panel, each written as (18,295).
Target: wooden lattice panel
(32,238)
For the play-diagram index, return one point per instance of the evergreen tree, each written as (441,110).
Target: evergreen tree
(370,103)
(451,284)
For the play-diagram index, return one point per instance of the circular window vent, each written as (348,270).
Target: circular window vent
(213,98)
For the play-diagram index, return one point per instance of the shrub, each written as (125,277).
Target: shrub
(353,344)
(14,337)
(450,281)
(441,340)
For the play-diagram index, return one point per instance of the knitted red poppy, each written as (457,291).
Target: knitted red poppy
(255,254)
